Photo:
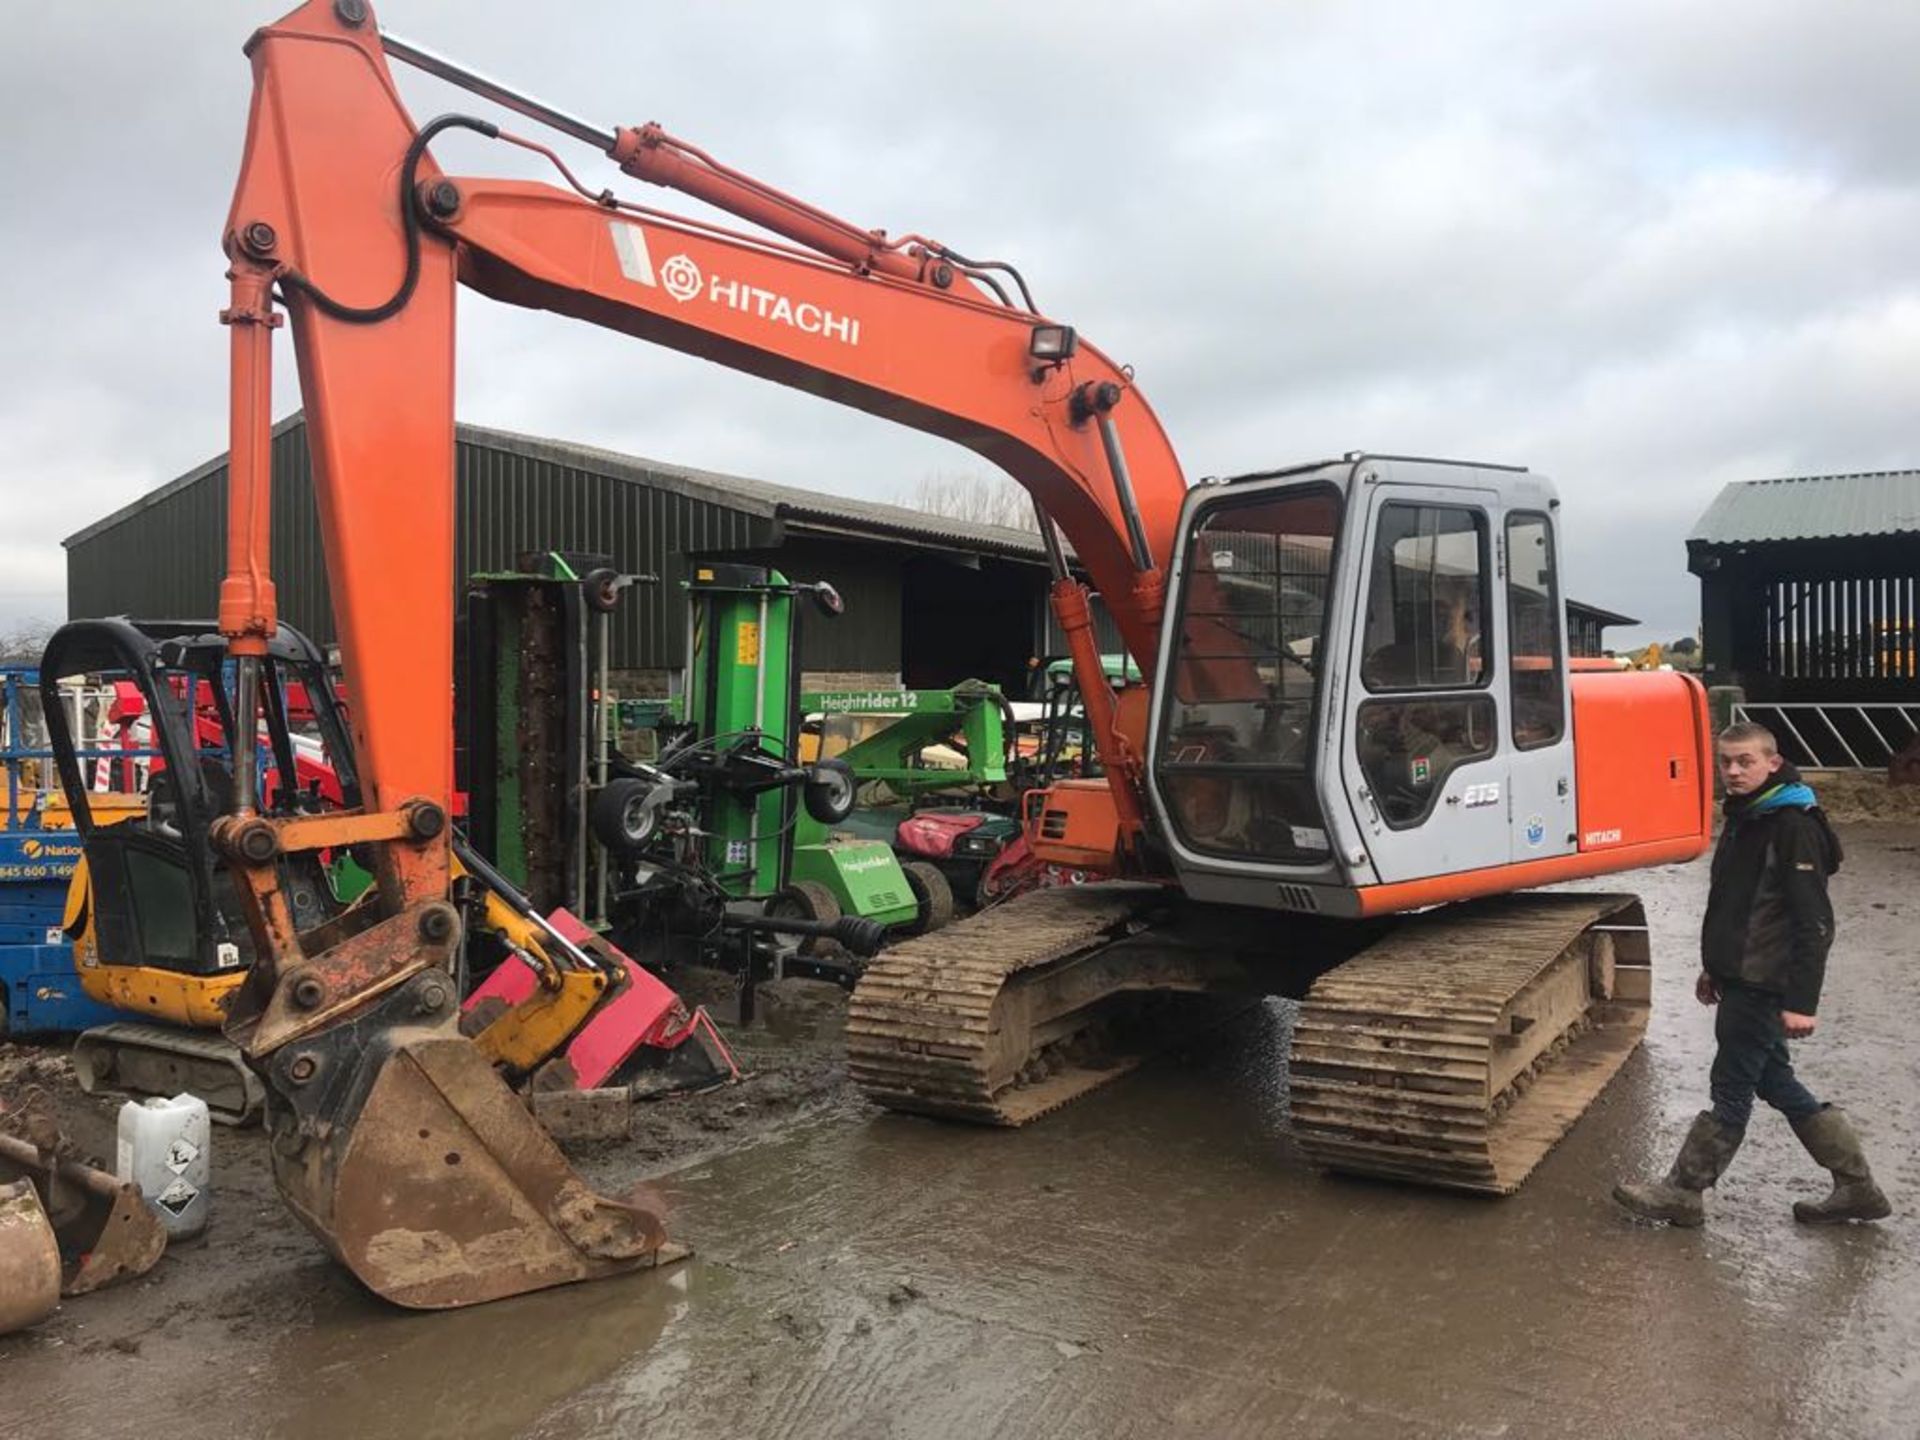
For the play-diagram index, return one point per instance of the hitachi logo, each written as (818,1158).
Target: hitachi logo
(771,305)
(680,277)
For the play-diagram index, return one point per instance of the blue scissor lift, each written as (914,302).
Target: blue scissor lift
(41,993)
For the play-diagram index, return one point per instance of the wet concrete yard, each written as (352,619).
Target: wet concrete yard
(1154,1260)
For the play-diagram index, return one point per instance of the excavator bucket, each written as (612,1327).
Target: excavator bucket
(404,1151)
(29,1259)
(103,1229)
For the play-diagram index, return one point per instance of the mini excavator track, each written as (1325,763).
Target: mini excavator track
(1457,1050)
(1454,1051)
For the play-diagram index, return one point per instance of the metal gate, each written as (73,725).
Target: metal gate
(1833,736)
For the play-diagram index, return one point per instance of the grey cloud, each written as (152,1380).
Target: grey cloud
(1645,247)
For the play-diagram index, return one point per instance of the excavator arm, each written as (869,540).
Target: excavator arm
(367,276)
(393,1138)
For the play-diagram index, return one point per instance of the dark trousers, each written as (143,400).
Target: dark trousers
(1752,1059)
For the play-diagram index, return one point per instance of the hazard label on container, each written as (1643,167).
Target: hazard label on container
(182,1153)
(176,1197)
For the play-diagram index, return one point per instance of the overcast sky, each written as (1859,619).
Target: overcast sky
(1643,246)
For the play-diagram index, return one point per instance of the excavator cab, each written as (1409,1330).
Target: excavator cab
(155,905)
(1367,690)
(156,925)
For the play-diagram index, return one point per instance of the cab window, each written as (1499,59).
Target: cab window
(1427,600)
(1426,613)
(1409,747)
(1235,757)
(1533,630)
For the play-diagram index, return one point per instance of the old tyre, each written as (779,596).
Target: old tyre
(932,895)
(806,900)
(619,815)
(830,791)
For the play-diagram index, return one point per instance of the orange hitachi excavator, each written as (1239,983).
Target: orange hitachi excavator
(1361,736)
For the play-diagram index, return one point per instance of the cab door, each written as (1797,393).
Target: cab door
(1423,758)
(1539,727)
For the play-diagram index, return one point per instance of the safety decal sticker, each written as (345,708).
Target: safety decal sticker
(176,1197)
(1422,769)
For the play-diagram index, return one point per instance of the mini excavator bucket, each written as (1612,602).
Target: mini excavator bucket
(405,1152)
(102,1228)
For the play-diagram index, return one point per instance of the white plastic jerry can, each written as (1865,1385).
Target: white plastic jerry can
(166,1147)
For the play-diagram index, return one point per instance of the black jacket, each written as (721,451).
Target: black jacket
(1769,922)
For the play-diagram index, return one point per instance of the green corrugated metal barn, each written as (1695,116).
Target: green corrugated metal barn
(930,600)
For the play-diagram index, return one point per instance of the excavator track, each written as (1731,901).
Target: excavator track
(945,1024)
(160,1060)
(1457,1050)
(1453,1052)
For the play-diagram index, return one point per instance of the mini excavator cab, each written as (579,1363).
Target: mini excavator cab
(1365,682)
(158,929)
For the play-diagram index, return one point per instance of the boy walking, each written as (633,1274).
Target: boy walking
(1763,949)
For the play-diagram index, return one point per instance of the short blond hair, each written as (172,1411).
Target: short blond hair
(1745,732)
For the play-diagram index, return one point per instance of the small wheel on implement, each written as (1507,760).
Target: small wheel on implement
(602,588)
(932,896)
(805,900)
(620,817)
(831,791)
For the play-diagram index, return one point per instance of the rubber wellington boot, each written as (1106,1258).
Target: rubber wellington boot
(1704,1156)
(1835,1145)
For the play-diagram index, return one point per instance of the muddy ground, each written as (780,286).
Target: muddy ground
(1155,1260)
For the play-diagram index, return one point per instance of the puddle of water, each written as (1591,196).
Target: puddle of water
(368,1370)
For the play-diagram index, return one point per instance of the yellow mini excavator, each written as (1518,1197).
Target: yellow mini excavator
(154,921)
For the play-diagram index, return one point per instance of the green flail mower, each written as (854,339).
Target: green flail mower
(720,847)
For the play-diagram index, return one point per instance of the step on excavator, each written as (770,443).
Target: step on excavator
(1358,742)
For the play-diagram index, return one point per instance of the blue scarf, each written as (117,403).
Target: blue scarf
(1787,792)
(1794,795)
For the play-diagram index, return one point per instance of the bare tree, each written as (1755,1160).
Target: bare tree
(984,499)
(22,640)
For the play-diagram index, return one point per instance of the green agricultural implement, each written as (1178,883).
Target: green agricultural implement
(743,680)
(948,818)
(725,842)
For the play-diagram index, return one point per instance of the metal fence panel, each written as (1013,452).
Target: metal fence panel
(1836,736)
